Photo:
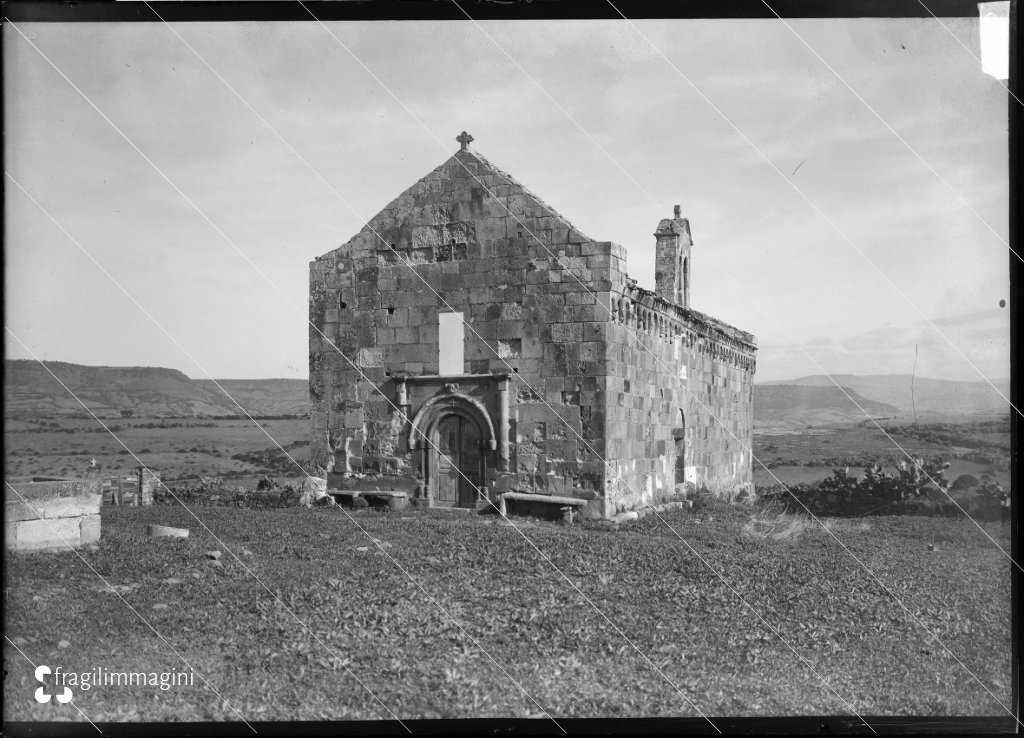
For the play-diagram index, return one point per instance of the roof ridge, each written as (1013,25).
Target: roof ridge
(516,183)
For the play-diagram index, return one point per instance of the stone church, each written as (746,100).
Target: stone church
(470,345)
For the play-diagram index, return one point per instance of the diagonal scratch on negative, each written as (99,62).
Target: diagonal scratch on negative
(819,212)
(128,604)
(375,541)
(217,538)
(732,278)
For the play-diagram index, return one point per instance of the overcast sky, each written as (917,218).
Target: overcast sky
(595,122)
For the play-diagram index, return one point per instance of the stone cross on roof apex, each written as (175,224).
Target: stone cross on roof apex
(464,140)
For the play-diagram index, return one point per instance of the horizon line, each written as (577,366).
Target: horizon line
(1007,378)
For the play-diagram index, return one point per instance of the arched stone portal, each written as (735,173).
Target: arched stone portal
(455,434)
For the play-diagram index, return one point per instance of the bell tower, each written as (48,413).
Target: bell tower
(672,259)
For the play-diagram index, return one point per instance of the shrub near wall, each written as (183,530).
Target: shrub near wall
(266,493)
(52,515)
(855,504)
(910,489)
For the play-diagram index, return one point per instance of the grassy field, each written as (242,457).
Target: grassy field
(178,448)
(369,620)
(190,447)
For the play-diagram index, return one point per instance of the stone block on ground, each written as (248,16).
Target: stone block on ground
(59,533)
(53,514)
(313,488)
(90,529)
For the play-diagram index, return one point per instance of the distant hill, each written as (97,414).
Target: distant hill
(263,396)
(30,391)
(931,396)
(779,407)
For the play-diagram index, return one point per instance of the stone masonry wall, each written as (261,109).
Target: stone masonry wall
(560,420)
(600,369)
(53,514)
(534,319)
(676,379)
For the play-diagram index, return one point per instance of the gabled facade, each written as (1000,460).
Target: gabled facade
(471,338)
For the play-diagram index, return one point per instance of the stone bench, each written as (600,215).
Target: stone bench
(395,499)
(568,505)
(342,483)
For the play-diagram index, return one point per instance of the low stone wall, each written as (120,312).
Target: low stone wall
(70,512)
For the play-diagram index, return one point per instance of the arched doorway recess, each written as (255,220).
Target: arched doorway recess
(456,435)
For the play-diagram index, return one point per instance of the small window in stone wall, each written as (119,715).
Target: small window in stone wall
(341,301)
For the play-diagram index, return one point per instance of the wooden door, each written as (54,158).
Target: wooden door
(469,463)
(447,488)
(458,462)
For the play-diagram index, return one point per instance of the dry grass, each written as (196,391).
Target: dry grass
(846,525)
(773,523)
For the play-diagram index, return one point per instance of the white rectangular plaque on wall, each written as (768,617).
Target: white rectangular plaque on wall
(451,343)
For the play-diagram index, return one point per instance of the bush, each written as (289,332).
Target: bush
(777,494)
(704,499)
(212,491)
(878,491)
(964,481)
(840,481)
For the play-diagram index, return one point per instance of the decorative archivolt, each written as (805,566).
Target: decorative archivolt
(446,402)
